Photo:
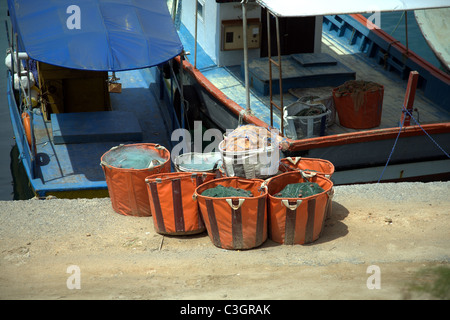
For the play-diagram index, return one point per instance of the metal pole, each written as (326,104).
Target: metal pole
(406,31)
(19,71)
(244,31)
(12,56)
(30,109)
(28,95)
(280,73)
(269,53)
(195,35)
(174,9)
(183,109)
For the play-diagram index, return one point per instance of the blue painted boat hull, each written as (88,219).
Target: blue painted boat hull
(67,162)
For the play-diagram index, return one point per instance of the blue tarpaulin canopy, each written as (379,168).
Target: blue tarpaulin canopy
(101,35)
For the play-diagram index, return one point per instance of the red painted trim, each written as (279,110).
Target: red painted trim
(219,95)
(435,72)
(409,97)
(367,136)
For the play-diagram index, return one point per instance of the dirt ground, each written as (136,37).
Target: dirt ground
(377,235)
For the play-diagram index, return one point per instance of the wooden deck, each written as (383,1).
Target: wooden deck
(394,89)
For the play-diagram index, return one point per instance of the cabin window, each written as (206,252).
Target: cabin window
(229,37)
(201,9)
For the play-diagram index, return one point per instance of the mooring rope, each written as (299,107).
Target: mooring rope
(398,135)
(434,141)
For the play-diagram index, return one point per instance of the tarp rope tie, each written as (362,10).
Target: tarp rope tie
(398,135)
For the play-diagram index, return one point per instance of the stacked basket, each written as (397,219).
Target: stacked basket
(178,206)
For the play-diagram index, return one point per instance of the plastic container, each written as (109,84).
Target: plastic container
(174,210)
(319,166)
(258,163)
(300,127)
(198,162)
(309,166)
(297,220)
(126,186)
(235,223)
(361,108)
(320,95)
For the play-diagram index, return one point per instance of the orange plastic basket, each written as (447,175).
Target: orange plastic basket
(297,220)
(319,166)
(127,188)
(362,114)
(170,196)
(235,223)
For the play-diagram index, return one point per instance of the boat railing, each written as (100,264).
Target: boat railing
(177,84)
(24,99)
(280,71)
(25,155)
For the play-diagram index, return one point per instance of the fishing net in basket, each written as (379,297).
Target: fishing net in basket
(299,190)
(251,137)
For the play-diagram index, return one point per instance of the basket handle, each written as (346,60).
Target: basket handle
(294,160)
(331,193)
(264,185)
(291,206)
(115,147)
(235,206)
(103,163)
(307,175)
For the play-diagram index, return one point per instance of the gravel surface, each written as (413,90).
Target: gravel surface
(400,227)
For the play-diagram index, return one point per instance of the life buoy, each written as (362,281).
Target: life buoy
(26,122)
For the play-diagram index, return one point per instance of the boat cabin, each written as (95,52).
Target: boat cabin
(223,18)
(67,90)
(213,33)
